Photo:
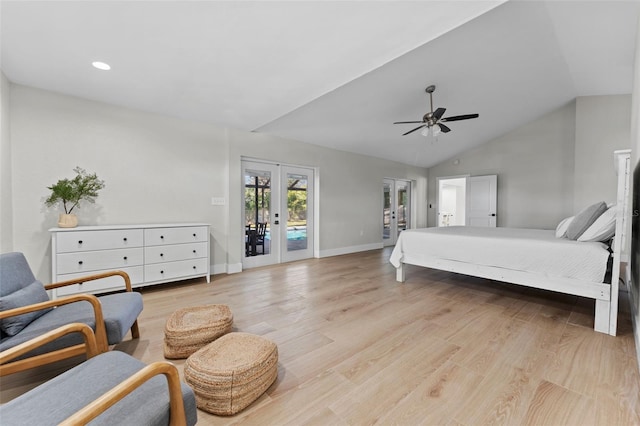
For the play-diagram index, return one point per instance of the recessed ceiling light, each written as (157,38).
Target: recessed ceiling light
(101,65)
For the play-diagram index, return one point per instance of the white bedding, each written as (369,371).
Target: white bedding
(530,250)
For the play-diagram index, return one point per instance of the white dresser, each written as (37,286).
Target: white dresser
(150,254)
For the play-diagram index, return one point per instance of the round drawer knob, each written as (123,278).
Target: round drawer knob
(194,251)
(124,239)
(194,267)
(125,258)
(80,242)
(161,254)
(194,235)
(80,262)
(162,272)
(162,237)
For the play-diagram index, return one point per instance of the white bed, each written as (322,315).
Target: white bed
(530,257)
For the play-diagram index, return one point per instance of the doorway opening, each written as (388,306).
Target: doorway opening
(452,193)
(278,213)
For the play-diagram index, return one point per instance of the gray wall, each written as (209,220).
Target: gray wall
(602,126)
(6,234)
(551,167)
(159,169)
(534,164)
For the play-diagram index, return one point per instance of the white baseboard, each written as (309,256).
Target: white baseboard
(234,268)
(226,269)
(349,250)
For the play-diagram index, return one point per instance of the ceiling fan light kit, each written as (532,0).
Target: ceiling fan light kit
(432,121)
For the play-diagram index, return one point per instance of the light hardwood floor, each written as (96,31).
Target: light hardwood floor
(356,347)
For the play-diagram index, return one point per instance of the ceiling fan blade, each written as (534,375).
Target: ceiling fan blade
(460,117)
(408,122)
(411,131)
(443,128)
(439,113)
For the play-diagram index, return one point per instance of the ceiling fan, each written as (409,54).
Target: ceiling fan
(432,121)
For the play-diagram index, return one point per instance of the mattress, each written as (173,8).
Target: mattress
(529,250)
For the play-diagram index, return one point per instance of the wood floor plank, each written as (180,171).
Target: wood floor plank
(618,390)
(549,406)
(437,399)
(578,360)
(356,347)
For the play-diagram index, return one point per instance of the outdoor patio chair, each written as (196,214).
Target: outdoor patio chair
(110,388)
(261,232)
(27,312)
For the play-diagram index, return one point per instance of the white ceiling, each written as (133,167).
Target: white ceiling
(331,73)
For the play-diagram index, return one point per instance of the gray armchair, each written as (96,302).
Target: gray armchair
(110,388)
(26,312)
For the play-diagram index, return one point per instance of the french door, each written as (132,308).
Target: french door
(396,209)
(278,213)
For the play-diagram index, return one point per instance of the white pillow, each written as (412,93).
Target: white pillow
(583,220)
(603,229)
(561,229)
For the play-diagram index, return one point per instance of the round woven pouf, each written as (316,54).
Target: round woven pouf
(229,374)
(189,329)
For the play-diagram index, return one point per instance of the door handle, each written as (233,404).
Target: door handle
(492,214)
(277,222)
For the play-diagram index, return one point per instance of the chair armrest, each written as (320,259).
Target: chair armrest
(101,331)
(177,414)
(80,280)
(91,346)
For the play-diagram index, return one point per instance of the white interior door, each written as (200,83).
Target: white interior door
(481,200)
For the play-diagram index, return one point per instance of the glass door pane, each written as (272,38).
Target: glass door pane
(298,187)
(260,214)
(387,221)
(296,212)
(257,201)
(403,208)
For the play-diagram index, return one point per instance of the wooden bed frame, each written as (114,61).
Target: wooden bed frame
(605,294)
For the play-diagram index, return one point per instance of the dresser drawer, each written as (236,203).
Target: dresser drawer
(187,234)
(171,270)
(98,240)
(159,254)
(89,261)
(100,286)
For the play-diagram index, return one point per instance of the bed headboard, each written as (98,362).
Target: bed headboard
(622,160)
(634,255)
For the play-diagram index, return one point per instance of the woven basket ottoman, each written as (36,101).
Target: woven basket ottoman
(189,329)
(232,372)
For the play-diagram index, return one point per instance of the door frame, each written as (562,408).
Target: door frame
(393,231)
(313,240)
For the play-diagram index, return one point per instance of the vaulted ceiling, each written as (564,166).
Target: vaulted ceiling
(331,73)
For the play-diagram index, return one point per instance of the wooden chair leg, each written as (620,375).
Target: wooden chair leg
(135,332)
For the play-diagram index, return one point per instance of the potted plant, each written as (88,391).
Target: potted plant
(70,192)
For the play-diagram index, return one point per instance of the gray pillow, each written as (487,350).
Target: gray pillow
(33,293)
(583,220)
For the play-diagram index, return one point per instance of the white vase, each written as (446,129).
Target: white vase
(67,220)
